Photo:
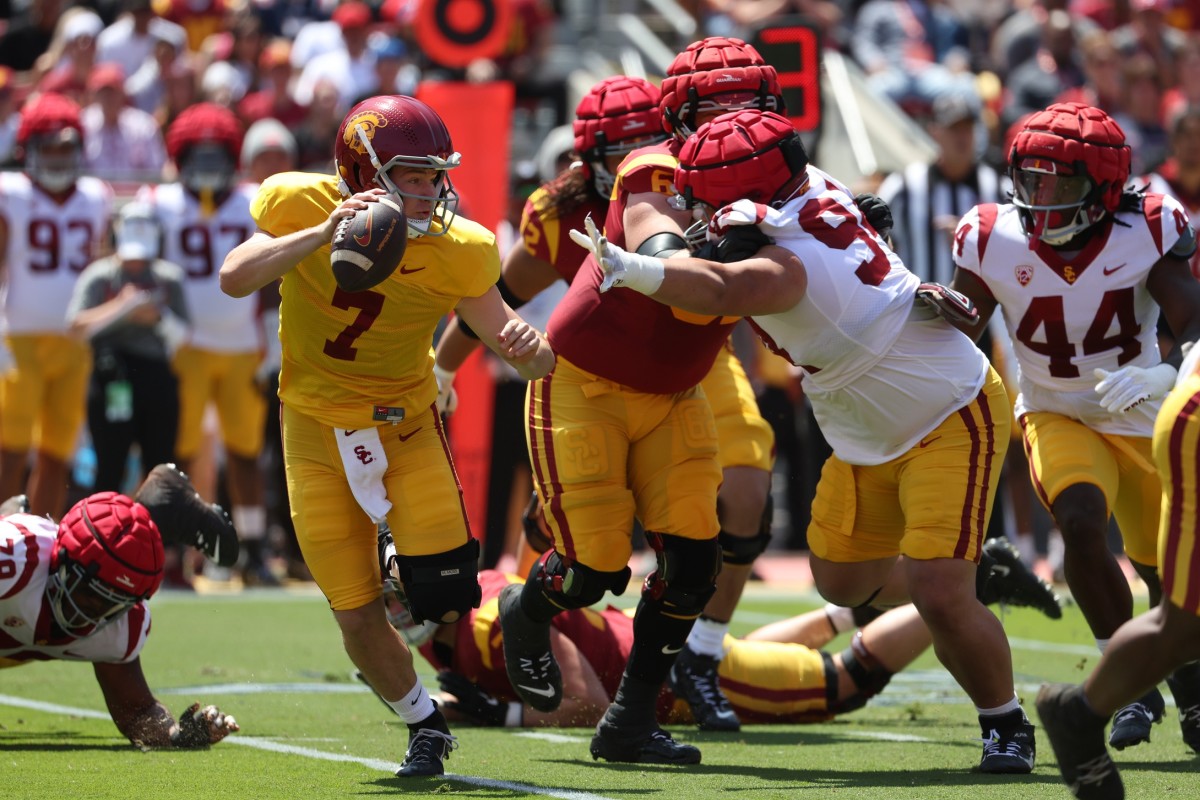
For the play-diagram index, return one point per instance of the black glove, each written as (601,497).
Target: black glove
(876,211)
(739,243)
(472,701)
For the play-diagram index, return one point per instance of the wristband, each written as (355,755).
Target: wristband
(444,377)
(643,274)
(515,716)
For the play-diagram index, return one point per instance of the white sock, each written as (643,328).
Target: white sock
(708,638)
(414,706)
(999,711)
(840,617)
(251,522)
(1102,644)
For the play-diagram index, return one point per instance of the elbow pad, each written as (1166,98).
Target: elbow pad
(662,245)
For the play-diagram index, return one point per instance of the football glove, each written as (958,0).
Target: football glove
(739,243)
(876,211)
(472,702)
(447,399)
(200,727)
(954,306)
(1129,387)
(633,271)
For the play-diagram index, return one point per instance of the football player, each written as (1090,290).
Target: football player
(51,221)
(77,591)
(1156,644)
(917,419)
(623,429)
(364,447)
(1081,268)
(204,215)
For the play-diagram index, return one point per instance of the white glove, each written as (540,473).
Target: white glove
(447,399)
(631,270)
(7,362)
(1129,387)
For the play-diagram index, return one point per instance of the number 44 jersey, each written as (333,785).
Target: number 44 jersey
(1069,315)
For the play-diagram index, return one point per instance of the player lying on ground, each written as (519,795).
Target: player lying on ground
(775,674)
(77,591)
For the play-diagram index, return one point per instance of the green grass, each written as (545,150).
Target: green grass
(277,637)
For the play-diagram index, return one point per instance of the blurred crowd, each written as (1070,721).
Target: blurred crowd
(285,72)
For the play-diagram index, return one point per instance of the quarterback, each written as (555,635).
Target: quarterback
(364,447)
(1081,268)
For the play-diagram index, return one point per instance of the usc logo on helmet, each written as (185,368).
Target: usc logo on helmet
(368,121)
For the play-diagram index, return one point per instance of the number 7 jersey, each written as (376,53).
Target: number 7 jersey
(1068,316)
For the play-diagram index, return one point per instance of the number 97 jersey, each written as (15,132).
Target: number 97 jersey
(1069,316)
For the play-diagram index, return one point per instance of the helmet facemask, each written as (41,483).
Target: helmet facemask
(1056,201)
(603,179)
(207,170)
(82,603)
(696,110)
(445,207)
(55,161)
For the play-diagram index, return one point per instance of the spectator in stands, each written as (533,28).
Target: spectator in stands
(146,88)
(1187,91)
(912,50)
(1019,37)
(351,67)
(222,84)
(65,67)
(131,40)
(1101,74)
(1054,67)
(319,128)
(10,116)
(200,18)
(121,143)
(1179,175)
(1141,112)
(395,72)
(180,89)
(268,149)
(274,98)
(739,18)
(29,34)
(1148,32)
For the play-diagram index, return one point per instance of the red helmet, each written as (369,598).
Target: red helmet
(108,557)
(397,131)
(618,115)
(744,154)
(1069,165)
(717,73)
(51,135)
(205,141)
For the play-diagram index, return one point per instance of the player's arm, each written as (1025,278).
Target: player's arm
(1177,293)
(264,258)
(651,221)
(506,334)
(969,284)
(146,722)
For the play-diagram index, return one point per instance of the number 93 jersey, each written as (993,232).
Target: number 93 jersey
(1068,316)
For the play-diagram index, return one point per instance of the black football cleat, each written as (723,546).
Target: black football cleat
(532,669)
(183,517)
(1011,582)
(427,749)
(642,745)
(1076,735)
(1187,704)
(17,504)
(693,677)
(1008,750)
(1131,724)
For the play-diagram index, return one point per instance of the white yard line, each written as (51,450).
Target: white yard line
(305,752)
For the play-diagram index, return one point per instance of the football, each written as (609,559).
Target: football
(368,246)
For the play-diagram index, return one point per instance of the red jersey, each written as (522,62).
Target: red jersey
(626,337)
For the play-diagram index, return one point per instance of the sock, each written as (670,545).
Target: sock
(251,524)
(415,706)
(634,702)
(994,714)
(841,619)
(708,638)
(1102,644)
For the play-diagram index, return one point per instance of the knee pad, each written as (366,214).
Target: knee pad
(437,585)
(743,551)
(686,575)
(570,584)
(867,673)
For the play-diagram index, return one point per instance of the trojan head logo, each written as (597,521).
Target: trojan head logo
(1024,274)
(368,121)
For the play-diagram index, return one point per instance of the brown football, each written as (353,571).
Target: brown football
(368,246)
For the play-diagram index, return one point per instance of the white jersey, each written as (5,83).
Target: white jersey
(199,243)
(879,375)
(1160,185)
(25,616)
(49,244)
(1068,317)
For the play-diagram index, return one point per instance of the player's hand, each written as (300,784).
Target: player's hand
(954,306)
(631,270)
(1129,387)
(876,211)
(471,701)
(447,399)
(739,243)
(200,727)
(348,208)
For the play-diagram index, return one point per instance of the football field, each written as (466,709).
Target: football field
(274,659)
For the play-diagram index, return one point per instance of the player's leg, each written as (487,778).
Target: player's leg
(241,408)
(60,416)
(21,391)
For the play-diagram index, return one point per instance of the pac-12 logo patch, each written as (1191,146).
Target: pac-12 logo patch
(1024,274)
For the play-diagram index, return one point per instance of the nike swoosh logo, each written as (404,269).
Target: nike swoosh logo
(414,702)
(670,651)
(927,442)
(362,241)
(349,433)
(404,438)
(407,271)
(1108,271)
(546,692)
